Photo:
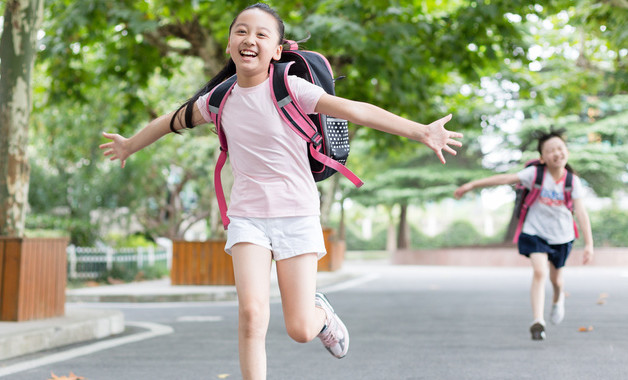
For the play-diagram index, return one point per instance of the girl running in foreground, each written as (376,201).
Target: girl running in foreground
(274,203)
(548,230)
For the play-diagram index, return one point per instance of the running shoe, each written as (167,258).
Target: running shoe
(558,311)
(538,331)
(334,335)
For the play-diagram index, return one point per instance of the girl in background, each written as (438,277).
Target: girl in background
(548,230)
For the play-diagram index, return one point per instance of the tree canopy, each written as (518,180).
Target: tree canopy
(114,66)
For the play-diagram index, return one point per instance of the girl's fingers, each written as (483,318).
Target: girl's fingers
(455,135)
(440,156)
(450,150)
(454,142)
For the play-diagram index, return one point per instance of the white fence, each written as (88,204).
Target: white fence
(91,263)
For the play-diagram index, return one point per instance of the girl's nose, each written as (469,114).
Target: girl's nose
(249,40)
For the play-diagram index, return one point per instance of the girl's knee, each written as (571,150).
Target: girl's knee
(300,331)
(254,320)
(540,273)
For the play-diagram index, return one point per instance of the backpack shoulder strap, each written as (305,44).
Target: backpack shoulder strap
(215,103)
(288,109)
(531,197)
(292,113)
(568,199)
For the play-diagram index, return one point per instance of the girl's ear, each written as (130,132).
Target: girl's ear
(227,49)
(277,55)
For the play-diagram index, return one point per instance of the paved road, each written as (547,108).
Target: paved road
(405,322)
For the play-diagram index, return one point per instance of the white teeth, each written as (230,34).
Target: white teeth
(248,53)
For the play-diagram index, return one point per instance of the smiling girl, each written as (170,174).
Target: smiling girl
(274,205)
(548,230)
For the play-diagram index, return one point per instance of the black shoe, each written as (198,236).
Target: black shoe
(538,331)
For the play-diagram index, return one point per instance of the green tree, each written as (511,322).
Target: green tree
(412,58)
(19,46)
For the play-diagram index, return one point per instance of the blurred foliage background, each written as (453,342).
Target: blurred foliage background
(504,68)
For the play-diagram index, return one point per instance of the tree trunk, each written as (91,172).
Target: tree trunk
(328,197)
(403,236)
(22,19)
(512,227)
(342,231)
(391,241)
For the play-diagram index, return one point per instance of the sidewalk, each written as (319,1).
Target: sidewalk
(80,325)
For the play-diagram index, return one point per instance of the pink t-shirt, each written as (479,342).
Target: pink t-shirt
(271,170)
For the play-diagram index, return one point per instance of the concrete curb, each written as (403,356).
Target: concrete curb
(162,291)
(78,325)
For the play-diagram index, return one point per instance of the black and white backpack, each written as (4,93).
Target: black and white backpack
(327,137)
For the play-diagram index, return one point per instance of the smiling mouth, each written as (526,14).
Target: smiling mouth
(248,53)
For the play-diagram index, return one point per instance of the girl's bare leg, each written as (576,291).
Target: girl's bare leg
(558,283)
(558,304)
(537,291)
(251,265)
(297,283)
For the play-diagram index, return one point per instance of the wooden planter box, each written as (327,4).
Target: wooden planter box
(335,256)
(201,263)
(32,278)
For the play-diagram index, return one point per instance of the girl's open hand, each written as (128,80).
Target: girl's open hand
(116,148)
(438,138)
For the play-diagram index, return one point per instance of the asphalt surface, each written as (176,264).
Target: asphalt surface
(406,322)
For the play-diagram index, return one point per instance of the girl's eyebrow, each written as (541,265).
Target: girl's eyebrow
(246,26)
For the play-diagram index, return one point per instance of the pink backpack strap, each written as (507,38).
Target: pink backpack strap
(290,45)
(215,104)
(532,196)
(292,113)
(568,188)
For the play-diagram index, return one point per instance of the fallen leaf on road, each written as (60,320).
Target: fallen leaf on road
(71,376)
(223,376)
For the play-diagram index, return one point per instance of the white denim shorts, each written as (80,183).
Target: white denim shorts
(284,237)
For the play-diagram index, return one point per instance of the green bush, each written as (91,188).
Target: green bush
(82,233)
(458,233)
(609,228)
(130,272)
(355,242)
(128,241)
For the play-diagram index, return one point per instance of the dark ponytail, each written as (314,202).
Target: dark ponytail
(226,71)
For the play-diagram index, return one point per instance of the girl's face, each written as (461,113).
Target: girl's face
(554,153)
(254,42)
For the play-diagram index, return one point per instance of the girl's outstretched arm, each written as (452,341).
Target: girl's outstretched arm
(495,180)
(120,148)
(434,135)
(582,217)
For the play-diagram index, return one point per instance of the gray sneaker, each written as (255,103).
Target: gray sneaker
(334,335)
(538,331)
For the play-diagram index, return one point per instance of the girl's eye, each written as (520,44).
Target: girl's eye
(262,35)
